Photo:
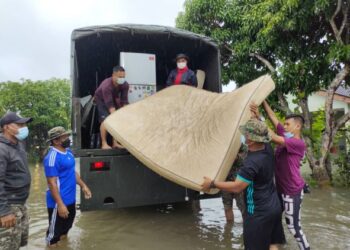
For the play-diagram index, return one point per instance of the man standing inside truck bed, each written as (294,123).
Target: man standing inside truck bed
(182,74)
(111,95)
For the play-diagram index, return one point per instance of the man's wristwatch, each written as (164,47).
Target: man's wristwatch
(212,184)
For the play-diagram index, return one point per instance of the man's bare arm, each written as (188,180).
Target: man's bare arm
(236,186)
(276,138)
(272,116)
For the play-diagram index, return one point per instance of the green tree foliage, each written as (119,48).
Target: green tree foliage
(48,102)
(293,35)
(304,44)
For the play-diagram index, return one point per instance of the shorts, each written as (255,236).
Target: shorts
(59,226)
(262,230)
(227,200)
(15,237)
(102,111)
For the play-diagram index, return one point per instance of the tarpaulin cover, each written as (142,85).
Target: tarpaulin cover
(184,133)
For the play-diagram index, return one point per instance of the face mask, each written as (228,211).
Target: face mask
(22,133)
(181,65)
(288,134)
(120,80)
(66,143)
(243,140)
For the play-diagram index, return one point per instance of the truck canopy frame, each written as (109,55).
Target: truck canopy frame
(95,51)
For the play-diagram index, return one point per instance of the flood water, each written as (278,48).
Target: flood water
(325,218)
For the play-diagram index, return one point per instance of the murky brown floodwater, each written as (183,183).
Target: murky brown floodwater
(325,217)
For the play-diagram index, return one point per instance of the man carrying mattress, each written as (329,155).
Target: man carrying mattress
(290,150)
(262,225)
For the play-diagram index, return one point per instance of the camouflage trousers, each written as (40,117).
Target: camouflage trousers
(227,200)
(15,237)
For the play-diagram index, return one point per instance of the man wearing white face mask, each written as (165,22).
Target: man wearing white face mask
(182,74)
(289,153)
(14,182)
(111,95)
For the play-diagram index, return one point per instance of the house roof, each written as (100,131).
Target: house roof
(342,94)
(344,91)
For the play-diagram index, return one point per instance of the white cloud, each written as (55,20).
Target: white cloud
(35,35)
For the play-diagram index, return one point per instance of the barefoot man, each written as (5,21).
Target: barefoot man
(111,95)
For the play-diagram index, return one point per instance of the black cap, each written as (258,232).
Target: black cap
(12,117)
(182,55)
(295,116)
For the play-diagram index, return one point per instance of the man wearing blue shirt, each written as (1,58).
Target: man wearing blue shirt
(59,164)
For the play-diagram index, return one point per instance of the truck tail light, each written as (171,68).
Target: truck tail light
(99,166)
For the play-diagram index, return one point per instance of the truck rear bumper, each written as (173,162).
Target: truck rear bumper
(122,181)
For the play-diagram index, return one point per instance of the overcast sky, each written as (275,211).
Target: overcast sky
(35,34)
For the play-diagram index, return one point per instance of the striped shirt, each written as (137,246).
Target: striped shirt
(61,165)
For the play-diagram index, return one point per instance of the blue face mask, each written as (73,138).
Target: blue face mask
(22,133)
(288,134)
(243,140)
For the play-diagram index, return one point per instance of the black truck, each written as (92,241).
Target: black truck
(116,178)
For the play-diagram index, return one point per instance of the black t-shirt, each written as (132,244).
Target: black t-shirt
(258,171)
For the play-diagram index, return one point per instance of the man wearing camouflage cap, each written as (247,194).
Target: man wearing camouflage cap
(262,224)
(290,150)
(59,164)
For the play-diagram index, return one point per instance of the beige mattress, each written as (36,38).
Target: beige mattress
(184,133)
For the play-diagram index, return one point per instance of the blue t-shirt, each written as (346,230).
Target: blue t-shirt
(61,165)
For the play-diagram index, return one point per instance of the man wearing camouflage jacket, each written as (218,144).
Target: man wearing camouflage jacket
(227,197)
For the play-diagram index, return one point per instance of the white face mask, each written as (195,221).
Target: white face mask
(120,80)
(181,65)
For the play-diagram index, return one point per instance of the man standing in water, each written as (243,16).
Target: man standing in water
(262,224)
(228,197)
(14,182)
(288,156)
(59,164)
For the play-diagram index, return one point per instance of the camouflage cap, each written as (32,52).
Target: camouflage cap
(256,130)
(57,132)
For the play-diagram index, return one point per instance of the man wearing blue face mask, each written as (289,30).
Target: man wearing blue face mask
(111,95)
(14,182)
